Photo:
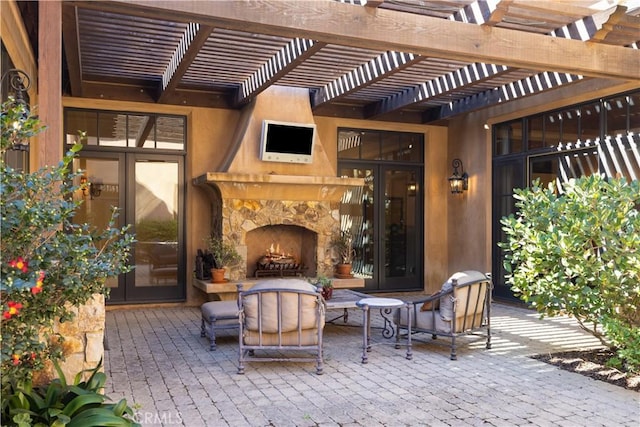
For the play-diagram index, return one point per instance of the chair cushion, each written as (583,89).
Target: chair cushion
(289,305)
(220,309)
(428,305)
(446,301)
(307,337)
(297,284)
(430,320)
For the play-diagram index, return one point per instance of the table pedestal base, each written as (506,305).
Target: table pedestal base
(386,304)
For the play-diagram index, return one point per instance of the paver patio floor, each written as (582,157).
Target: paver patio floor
(159,362)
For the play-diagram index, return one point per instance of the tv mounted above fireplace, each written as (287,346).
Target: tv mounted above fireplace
(287,142)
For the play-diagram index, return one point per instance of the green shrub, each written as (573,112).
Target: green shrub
(578,253)
(61,404)
(48,263)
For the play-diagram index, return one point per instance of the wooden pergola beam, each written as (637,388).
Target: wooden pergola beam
(364,75)
(390,30)
(509,92)
(72,47)
(49,148)
(287,59)
(193,39)
(442,85)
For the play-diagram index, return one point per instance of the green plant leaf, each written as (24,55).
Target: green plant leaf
(576,251)
(120,408)
(22,420)
(79,402)
(61,377)
(99,417)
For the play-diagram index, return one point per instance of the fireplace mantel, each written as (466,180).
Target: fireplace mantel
(278,187)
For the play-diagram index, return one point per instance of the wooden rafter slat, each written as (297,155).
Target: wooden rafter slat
(497,15)
(286,59)
(524,87)
(619,23)
(563,8)
(366,74)
(192,41)
(435,87)
(374,3)
(420,35)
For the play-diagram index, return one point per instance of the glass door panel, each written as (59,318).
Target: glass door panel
(401,228)
(386,218)
(146,189)
(154,207)
(156,222)
(356,214)
(100,191)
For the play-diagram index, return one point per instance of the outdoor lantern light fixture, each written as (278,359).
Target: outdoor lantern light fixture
(94,190)
(458,182)
(84,184)
(19,83)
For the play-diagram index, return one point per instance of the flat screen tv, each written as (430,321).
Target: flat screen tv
(287,142)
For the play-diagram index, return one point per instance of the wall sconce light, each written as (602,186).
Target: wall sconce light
(19,83)
(95,190)
(412,188)
(83,185)
(458,182)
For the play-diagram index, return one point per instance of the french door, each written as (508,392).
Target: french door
(148,189)
(386,218)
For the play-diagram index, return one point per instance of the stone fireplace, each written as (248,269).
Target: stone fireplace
(306,196)
(281,250)
(256,212)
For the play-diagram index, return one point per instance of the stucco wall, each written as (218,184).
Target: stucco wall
(469,231)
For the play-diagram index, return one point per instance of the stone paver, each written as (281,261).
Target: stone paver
(157,360)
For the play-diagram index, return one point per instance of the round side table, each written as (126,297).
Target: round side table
(380,303)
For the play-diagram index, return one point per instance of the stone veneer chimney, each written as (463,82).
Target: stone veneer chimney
(248,193)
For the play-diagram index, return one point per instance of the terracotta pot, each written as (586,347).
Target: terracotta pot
(217,275)
(343,271)
(327,293)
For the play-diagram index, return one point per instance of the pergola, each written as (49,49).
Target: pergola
(409,61)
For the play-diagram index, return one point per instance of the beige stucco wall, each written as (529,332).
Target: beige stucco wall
(210,133)
(468,226)
(457,227)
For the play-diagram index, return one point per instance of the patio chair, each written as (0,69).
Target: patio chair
(279,316)
(462,306)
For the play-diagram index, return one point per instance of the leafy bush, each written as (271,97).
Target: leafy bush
(61,404)
(578,253)
(224,253)
(48,264)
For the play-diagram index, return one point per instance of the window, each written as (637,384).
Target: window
(508,138)
(361,144)
(126,130)
(600,136)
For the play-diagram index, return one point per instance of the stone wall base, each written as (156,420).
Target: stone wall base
(83,345)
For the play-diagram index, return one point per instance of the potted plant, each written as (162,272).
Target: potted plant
(224,255)
(342,243)
(326,284)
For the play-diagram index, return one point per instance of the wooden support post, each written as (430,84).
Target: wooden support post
(49,148)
